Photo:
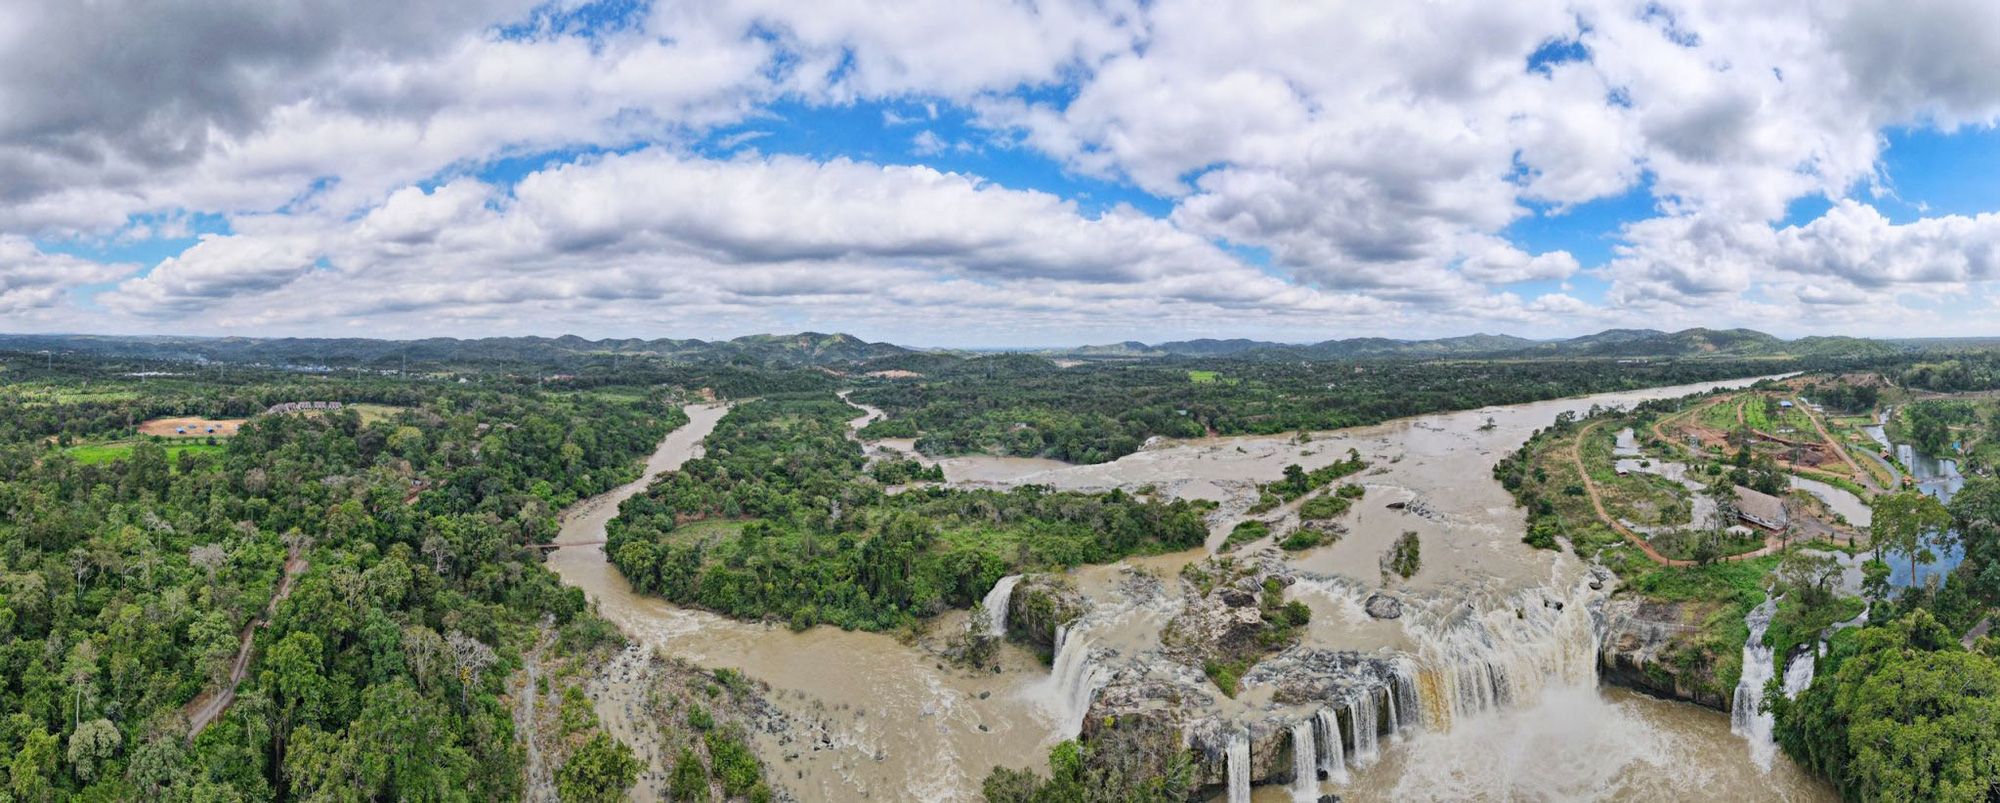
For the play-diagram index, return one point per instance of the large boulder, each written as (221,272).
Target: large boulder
(1383,606)
(1211,628)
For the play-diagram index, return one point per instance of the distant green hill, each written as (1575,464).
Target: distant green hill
(804,348)
(1633,343)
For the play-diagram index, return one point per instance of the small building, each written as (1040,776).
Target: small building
(1761,509)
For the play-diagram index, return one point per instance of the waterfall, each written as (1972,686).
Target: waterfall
(1305,763)
(1239,767)
(1471,660)
(1745,719)
(1403,686)
(996,605)
(1799,673)
(1332,754)
(1392,721)
(1361,714)
(1073,681)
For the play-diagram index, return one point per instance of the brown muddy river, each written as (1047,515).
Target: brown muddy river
(891,723)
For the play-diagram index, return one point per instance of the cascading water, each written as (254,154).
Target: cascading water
(1238,767)
(1471,660)
(1745,719)
(1799,673)
(1075,677)
(1403,687)
(1332,754)
(996,605)
(1305,762)
(1361,715)
(1391,721)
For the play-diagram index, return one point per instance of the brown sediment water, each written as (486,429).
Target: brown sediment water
(892,723)
(887,722)
(1580,742)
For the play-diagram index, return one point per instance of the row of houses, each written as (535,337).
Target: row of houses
(297,407)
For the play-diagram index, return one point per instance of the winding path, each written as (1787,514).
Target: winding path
(1867,479)
(1771,543)
(206,708)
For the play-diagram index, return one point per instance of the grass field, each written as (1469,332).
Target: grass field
(371,413)
(1203,377)
(706,531)
(95,453)
(37,396)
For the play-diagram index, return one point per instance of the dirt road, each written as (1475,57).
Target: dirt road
(1771,543)
(205,708)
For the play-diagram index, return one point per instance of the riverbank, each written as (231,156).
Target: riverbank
(900,724)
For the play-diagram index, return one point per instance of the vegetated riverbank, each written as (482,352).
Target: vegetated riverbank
(1109,654)
(1025,406)
(783,520)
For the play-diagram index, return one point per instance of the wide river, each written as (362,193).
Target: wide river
(888,720)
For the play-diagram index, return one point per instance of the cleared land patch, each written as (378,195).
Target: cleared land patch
(191,427)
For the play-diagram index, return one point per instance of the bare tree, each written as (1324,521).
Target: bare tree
(423,650)
(472,656)
(210,557)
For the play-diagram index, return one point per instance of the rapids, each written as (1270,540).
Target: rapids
(1485,688)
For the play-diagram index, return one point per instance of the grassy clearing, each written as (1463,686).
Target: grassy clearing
(371,413)
(1758,414)
(36,396)
(96,453)
(1209,378)
(1735,581)
(706,531)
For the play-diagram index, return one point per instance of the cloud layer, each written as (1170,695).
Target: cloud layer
(1312,169)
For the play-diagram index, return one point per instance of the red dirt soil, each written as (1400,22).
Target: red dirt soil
(196,427)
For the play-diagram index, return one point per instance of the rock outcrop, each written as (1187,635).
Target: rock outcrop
(1656,647)
(1383,606)
(1163,700)
(1039,605)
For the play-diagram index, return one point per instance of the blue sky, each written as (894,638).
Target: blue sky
(990,173)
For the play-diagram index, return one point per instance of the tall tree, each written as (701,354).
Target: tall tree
(1910,523)
(1975,512)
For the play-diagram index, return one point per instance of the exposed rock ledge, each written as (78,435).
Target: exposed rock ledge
(1039,605)
(1654,647)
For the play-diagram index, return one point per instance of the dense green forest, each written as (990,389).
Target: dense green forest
(779,520)
(1902,710)
(124,585)
(377,556)
(1090,413)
